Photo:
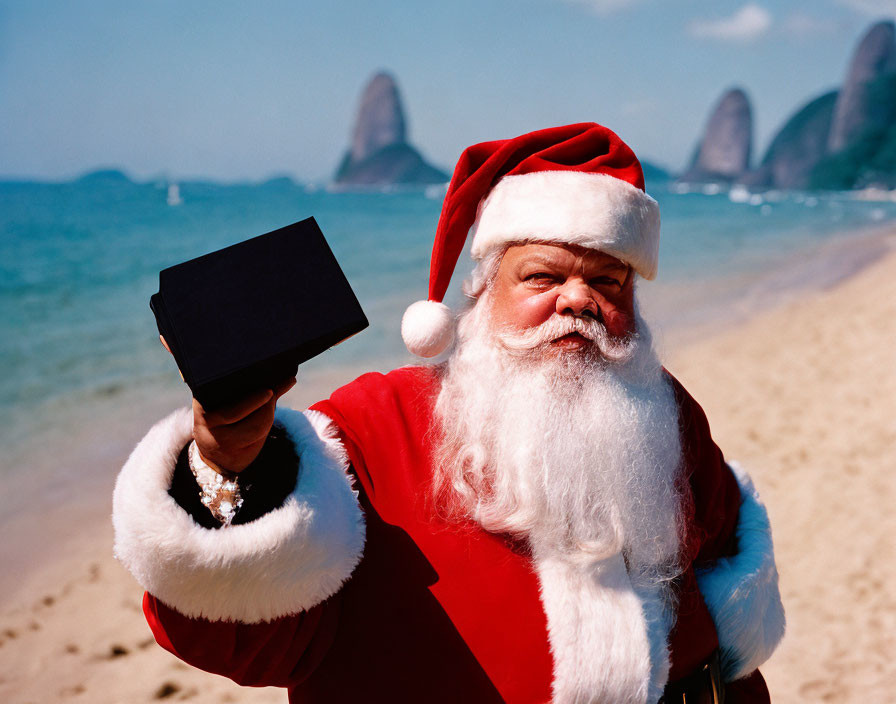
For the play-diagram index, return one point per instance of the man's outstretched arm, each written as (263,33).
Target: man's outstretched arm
(248,600)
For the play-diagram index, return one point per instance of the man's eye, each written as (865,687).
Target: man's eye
(606,281)
(539,277)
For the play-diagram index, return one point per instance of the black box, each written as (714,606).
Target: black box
(244,317)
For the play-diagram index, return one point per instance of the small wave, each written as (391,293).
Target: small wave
(436,191)
(739,194)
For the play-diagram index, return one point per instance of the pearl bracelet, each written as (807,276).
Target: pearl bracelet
(219,494)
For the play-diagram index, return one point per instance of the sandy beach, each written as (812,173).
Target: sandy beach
(803,395)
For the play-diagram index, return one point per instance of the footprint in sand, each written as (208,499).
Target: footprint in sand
(8,634)
(116,651)
(73,691)
(44,603)
(168,689)
(823,691)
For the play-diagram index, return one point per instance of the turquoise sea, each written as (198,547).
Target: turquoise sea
(80,358)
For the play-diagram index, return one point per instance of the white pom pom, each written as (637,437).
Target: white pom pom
(427,328)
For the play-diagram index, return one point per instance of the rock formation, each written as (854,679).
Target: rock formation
(723,153)
(797,147)
(379,152)
(842,139)
(874,57)
(380,118)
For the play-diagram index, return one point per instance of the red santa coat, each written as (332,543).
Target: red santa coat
(428,611)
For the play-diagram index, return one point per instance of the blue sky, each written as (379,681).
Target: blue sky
(239,90)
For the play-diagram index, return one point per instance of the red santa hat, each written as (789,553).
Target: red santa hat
(577,184)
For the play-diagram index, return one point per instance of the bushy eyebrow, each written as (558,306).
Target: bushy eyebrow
(550,259)
(619,266)
(541,259)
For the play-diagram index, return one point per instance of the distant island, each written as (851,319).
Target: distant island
(105,176)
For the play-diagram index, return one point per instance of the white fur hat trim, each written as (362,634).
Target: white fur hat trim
(597,211)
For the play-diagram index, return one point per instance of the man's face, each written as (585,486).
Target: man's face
(571,442)
(535,281)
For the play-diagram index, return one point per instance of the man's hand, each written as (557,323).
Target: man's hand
(230,438)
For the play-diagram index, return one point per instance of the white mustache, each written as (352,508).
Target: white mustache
(551,329)
(557,326)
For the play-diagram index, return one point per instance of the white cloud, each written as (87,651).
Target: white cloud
(871,8)
(603,7)
(746,25)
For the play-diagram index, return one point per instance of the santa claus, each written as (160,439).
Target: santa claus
(542,517)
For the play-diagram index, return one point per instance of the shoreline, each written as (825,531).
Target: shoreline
(777,400)
(721,304)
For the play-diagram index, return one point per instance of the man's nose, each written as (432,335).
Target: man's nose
(575,298)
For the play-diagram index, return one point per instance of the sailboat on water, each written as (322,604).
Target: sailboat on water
(174,197)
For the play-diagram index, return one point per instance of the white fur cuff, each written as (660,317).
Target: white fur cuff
(741,591)
(286,561)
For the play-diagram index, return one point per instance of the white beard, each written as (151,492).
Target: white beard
(579,453)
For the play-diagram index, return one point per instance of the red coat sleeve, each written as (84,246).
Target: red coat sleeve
(278,653)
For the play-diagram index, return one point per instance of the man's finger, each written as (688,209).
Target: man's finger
(247,431)
(239,410)
(231,458)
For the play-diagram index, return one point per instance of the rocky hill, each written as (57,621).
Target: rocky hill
(862,143)
(845,138)
(797,147)
(869,159)
(380,154)
(874,57)
(723,154)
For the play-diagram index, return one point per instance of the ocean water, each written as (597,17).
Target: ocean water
(79,261)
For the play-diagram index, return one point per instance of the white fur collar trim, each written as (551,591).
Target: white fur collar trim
(741,591)
(609,636)
(608,639)
(597,211)
(286,561)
